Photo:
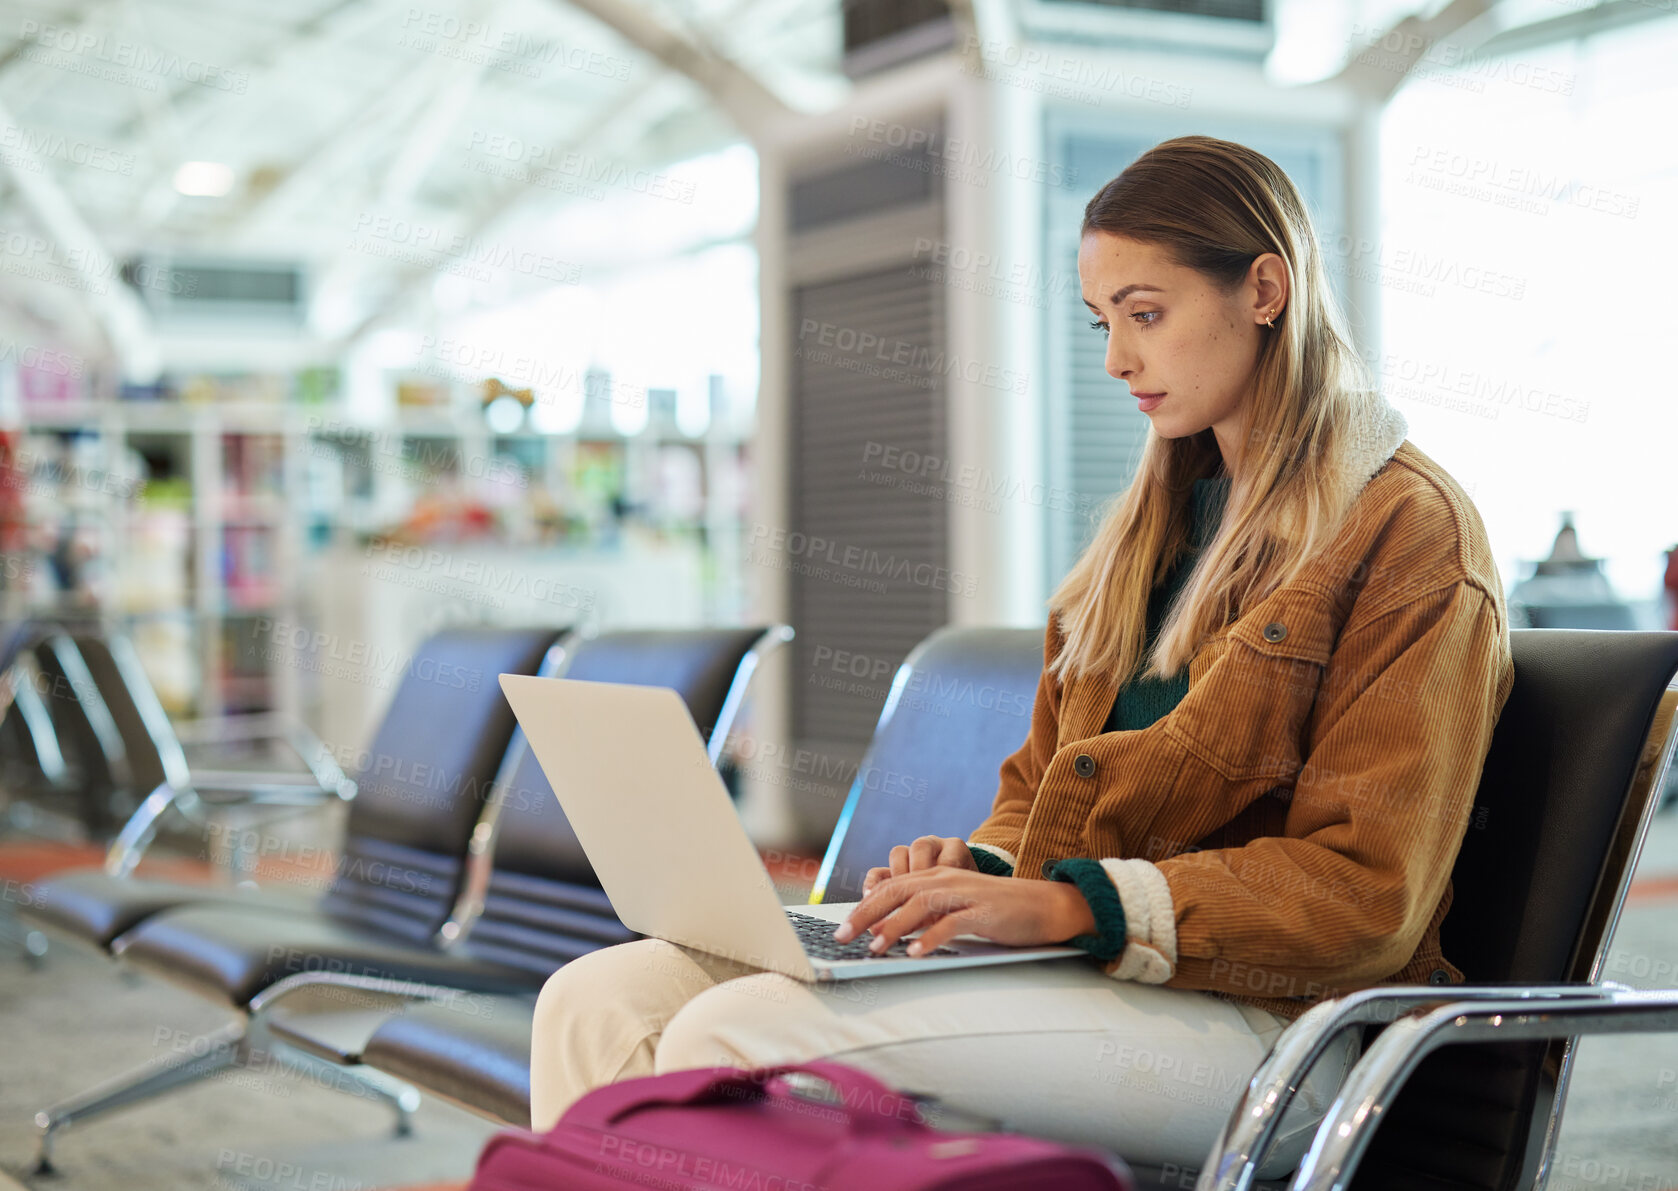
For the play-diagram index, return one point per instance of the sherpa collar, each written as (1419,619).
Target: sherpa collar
(1372,443)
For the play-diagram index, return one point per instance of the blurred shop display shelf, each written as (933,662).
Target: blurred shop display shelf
(369,607)
(179,417)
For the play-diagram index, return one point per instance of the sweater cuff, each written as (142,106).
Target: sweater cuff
(1151,957)
(1097,887)
(998,862)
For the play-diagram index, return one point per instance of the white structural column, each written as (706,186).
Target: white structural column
(994,423)
(765,807)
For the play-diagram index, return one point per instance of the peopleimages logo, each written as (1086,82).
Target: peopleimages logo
(40,359)
(27,143)
(859,560)
(85,50)
(916,359)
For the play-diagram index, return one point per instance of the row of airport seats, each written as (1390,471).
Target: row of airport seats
(85,741)
(398,991)
(412,895)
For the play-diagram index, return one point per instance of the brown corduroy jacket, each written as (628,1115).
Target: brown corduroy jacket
(1287,832)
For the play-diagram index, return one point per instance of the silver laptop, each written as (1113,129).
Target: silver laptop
(667,844)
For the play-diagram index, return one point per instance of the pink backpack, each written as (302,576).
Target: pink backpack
(721,1127)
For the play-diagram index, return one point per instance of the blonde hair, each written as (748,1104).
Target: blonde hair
(1214,206)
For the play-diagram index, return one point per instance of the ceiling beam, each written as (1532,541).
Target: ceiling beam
(72,246)
(429,128)
(347,146)
(621,122)
(742,96)
(1376,72)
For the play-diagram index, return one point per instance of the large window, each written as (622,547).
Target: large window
(1527,257)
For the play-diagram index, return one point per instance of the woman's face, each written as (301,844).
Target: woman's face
(1186,349)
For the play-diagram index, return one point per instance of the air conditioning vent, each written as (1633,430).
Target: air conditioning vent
(252,292)
(882,33)
(1228,10)
(1237,27)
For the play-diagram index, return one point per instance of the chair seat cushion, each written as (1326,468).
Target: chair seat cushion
(95,907)
(476,1053)
(229,954)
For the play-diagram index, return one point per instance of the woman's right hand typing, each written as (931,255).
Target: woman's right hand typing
(929,851)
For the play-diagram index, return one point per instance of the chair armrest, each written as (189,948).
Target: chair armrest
(302,740)
(130,842)
(314,753)
(259,789)
(1246,1137)
(249,779)
(1345,1133)
(217,729)
(242,786)
(398,991)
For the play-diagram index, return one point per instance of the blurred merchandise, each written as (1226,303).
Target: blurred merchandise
(442,517)
(412,393)
(192,511)
(316,386)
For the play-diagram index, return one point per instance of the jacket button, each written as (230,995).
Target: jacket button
(1275,631)
(1439,976)
(1048,865)
(1083,765)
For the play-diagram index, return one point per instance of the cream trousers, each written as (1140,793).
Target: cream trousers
(1052,1048)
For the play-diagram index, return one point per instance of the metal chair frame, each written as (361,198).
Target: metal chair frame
(1423,1018)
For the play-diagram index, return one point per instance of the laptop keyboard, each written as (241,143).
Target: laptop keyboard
(816,935)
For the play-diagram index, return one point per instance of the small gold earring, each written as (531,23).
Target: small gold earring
(1267,321)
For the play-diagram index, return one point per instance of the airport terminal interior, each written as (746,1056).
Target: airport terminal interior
(356,352)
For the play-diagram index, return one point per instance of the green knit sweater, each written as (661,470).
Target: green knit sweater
(1139,704)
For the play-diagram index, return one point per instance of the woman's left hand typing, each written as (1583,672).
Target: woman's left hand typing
(944,902)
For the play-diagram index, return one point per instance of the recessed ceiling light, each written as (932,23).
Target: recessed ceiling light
(210,179)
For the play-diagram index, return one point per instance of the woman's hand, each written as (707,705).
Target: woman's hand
(944,901)
(929,851)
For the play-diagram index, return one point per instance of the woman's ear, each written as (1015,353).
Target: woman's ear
(1267,282)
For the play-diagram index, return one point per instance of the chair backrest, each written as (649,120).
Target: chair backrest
(1581,616)
(100,777)
(15,637)
(32,759)
(153,753)
(541,903)
(1571,779)
(959,705)
(422,783)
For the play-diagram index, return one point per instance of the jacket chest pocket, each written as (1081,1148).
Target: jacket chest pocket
(1251,691)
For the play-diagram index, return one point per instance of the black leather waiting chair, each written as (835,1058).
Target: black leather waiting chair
(31,755)
(33,767)
(33,764)
(77,769)
(96,906)
(958,706)
(426,908)
(540,903)
(160,770)
(953,713)
(420,792)
(1570,783)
